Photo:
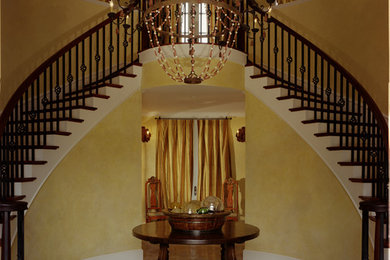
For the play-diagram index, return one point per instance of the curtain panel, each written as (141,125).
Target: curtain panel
(215,161)
(174,158)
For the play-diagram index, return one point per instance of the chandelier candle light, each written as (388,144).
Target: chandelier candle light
(191,22)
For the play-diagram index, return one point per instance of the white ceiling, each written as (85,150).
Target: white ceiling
(193,101)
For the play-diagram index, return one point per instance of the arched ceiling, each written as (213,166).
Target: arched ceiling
(193,101)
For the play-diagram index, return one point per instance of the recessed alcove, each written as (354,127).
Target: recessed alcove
(194,102)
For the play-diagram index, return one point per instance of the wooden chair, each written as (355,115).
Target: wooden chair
(153,200)
(230,198)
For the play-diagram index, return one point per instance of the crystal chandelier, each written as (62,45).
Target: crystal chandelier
(192,21)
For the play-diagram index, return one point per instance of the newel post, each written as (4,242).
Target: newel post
(6,207)
(380,208)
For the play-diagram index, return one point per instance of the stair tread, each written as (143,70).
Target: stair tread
(24,179)
(16,197)
(363,180)
(47,133)
(130,75)
(38,147)
(366,198)
(318,109)
(342,148)
(298,89)
(90,108)
(305,99)
(69,119)
(338,122)
(72,98)
(87,89)
(29,162)
(343,134)
(358,163)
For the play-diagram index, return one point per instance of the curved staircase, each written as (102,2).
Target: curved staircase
(73,89)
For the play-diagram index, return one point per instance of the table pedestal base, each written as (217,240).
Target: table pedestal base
(228,252)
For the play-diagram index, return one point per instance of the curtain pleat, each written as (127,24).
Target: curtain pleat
(214,156)
(174,158)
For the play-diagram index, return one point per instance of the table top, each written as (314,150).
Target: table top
(161,232)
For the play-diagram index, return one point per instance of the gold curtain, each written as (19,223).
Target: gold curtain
(214,156)
(174,159)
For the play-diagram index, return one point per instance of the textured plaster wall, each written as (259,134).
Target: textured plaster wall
(354,33)
(92,200)
(292,196)
(34,30)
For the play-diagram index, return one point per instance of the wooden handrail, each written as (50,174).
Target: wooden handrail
(29,80)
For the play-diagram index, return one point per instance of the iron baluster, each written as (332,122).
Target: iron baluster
(104,53)
(308,77)
(97,60)
(70,80)
(111,49)
(322,87)
(275,54)
(77,92)
(83,69)
(63,88)
(289,64)
(90,65)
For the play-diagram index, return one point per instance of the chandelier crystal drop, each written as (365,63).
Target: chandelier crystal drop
(173,22)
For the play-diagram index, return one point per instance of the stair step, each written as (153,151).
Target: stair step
(344,148)
(324,110)
(258,76)
(63,133)
(27,162)
(37,147)
(69,99)
(337,122)
(358,163)
(343,134)
(15,198)
(292,88)
(366,198)
(66,108)
(305,99)
(361,180)
(129,75)
(42,120)
(87,90)
(29,179)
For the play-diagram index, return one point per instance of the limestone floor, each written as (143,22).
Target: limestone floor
(184,252)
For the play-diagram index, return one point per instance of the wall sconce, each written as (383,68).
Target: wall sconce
(145,135)
(240,134)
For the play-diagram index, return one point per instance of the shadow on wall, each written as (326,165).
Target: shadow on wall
(241,189)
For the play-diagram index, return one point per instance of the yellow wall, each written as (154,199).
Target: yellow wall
(354,33)
(33,30)
(292,196)
(92,200)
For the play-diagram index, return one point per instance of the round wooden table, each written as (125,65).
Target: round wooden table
(161,233)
